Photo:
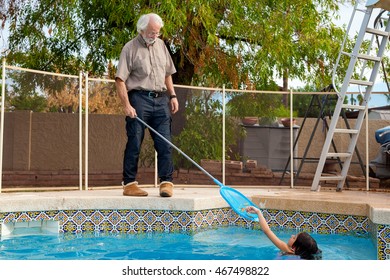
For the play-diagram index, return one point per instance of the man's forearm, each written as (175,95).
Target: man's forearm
(169,85)
(122,92)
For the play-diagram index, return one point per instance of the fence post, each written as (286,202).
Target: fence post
(86,130)
(81,130)
(2,124)
(291,140)
(223,134)
(367,154)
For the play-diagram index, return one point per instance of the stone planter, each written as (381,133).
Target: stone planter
(286,122)
(249,120)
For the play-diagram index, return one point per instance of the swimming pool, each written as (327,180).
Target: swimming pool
(224,243)
(192,210)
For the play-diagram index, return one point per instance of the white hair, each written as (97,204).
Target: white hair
(144,20)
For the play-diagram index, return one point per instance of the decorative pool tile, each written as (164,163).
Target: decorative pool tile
(184,219)
(141,221)
(350,223)
(383,242)
(298,219)
(23,217)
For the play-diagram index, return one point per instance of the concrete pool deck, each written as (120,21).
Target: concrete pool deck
(373,204)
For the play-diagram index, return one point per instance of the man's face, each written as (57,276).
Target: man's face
(151,33)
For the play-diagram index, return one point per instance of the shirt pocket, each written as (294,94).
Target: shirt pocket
(141,65)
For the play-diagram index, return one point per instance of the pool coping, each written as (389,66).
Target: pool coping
(369,204)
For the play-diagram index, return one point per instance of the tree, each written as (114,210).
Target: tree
(213,42)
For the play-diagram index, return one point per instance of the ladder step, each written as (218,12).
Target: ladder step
(353,107)
(377,32)
(346,130)
(361,82)
(331,178)
(364,56)
(369,57)
(340,155)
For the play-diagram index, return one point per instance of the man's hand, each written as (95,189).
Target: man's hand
(174,105)
(130,111)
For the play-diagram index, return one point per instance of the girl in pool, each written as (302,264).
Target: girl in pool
(301,244)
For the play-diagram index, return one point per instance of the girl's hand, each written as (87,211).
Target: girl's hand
(253,210)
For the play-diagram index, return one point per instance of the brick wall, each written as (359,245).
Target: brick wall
(257,176)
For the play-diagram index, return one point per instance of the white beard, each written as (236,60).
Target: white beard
(149,41)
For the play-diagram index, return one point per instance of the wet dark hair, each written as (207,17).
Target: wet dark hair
(306,247)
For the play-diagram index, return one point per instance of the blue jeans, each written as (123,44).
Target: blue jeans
(155,112)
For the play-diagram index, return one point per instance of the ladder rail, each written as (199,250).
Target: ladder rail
(342,48)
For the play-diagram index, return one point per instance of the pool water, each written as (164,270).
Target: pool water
(226,243)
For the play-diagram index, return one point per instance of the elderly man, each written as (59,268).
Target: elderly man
(144,85)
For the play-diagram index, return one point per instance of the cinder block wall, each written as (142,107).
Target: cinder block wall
(50,141)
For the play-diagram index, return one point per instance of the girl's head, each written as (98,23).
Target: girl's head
(305,246)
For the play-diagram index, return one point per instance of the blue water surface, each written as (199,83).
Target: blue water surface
(226,243)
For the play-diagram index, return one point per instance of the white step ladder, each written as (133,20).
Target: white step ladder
(374,61)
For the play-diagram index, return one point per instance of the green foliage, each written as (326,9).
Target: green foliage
(310,105)
(302,103)
(254,105)
(202,136)
(33,102)
(30,91)
(283,112)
